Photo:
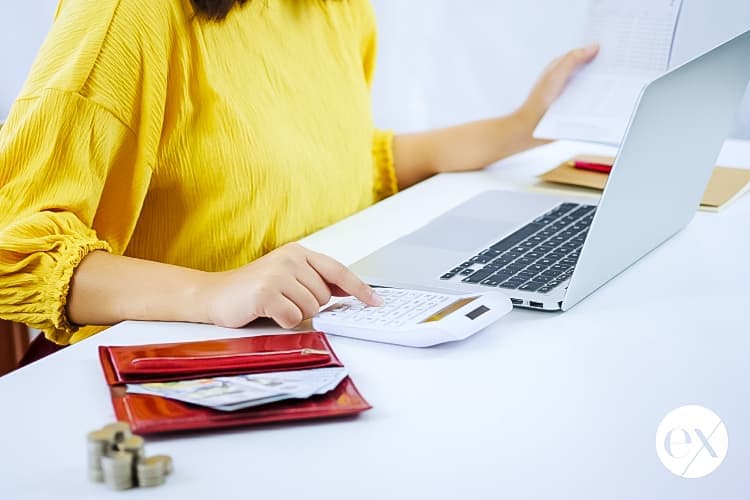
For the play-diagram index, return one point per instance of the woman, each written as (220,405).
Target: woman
(163,154)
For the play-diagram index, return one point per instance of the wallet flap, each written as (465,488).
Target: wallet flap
(152,414)
(223,357)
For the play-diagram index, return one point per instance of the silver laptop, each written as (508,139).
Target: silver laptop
(549,253)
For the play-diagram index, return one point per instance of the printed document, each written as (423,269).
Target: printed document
(635,39)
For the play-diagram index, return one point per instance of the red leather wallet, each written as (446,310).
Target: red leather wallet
(188,360)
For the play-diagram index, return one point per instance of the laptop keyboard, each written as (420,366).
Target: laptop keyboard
(537,257)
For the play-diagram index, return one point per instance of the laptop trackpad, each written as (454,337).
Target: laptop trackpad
(460,234)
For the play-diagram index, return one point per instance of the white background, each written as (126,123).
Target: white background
(441,61)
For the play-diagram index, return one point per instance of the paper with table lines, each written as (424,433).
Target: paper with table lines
(635,38)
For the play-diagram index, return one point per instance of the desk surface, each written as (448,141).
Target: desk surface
(540,405)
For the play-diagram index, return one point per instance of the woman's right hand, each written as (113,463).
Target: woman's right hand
(287,285)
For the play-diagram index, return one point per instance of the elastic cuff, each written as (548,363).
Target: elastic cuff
(58,289)
(386,182)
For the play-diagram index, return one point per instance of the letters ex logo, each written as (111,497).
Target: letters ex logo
(692,441)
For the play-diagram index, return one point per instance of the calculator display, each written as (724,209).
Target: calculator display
(450,308)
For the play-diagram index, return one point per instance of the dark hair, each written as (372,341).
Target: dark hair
(215,9)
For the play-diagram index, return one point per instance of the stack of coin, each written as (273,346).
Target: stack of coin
(166,460)
(98,446)
(120,431)
(117,457)
(118,470)
(133,445)
(152,471)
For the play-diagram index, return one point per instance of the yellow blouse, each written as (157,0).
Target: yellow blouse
(147,131)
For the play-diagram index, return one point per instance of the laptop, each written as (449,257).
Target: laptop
(549,253)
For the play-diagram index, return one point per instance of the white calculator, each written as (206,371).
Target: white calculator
(413,317)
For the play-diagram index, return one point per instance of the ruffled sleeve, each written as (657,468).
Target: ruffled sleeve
(385,174)
(66,166)
(77,151)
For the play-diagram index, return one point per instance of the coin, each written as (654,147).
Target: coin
(118,470)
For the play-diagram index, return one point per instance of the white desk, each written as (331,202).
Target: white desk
(539,406)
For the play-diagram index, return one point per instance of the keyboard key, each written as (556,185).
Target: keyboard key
(502,260)
(502,275)
(466,272)
(584,210)
(557,255)
(527,275)
(540,279)
(550,274)
(546,262)
(481,259)
(447,276)
(478,276)
(489,282)
(569,220)
(545,219)
(568,234)
(536,268)
(534,255)
(517,237)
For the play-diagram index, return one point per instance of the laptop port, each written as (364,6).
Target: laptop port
(516,302)
(536,304)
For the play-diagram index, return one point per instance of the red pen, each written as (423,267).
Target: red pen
(596,167)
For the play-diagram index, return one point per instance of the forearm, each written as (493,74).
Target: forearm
(464,147)
(107,289)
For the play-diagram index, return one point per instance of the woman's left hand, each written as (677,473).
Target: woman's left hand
(552,81)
